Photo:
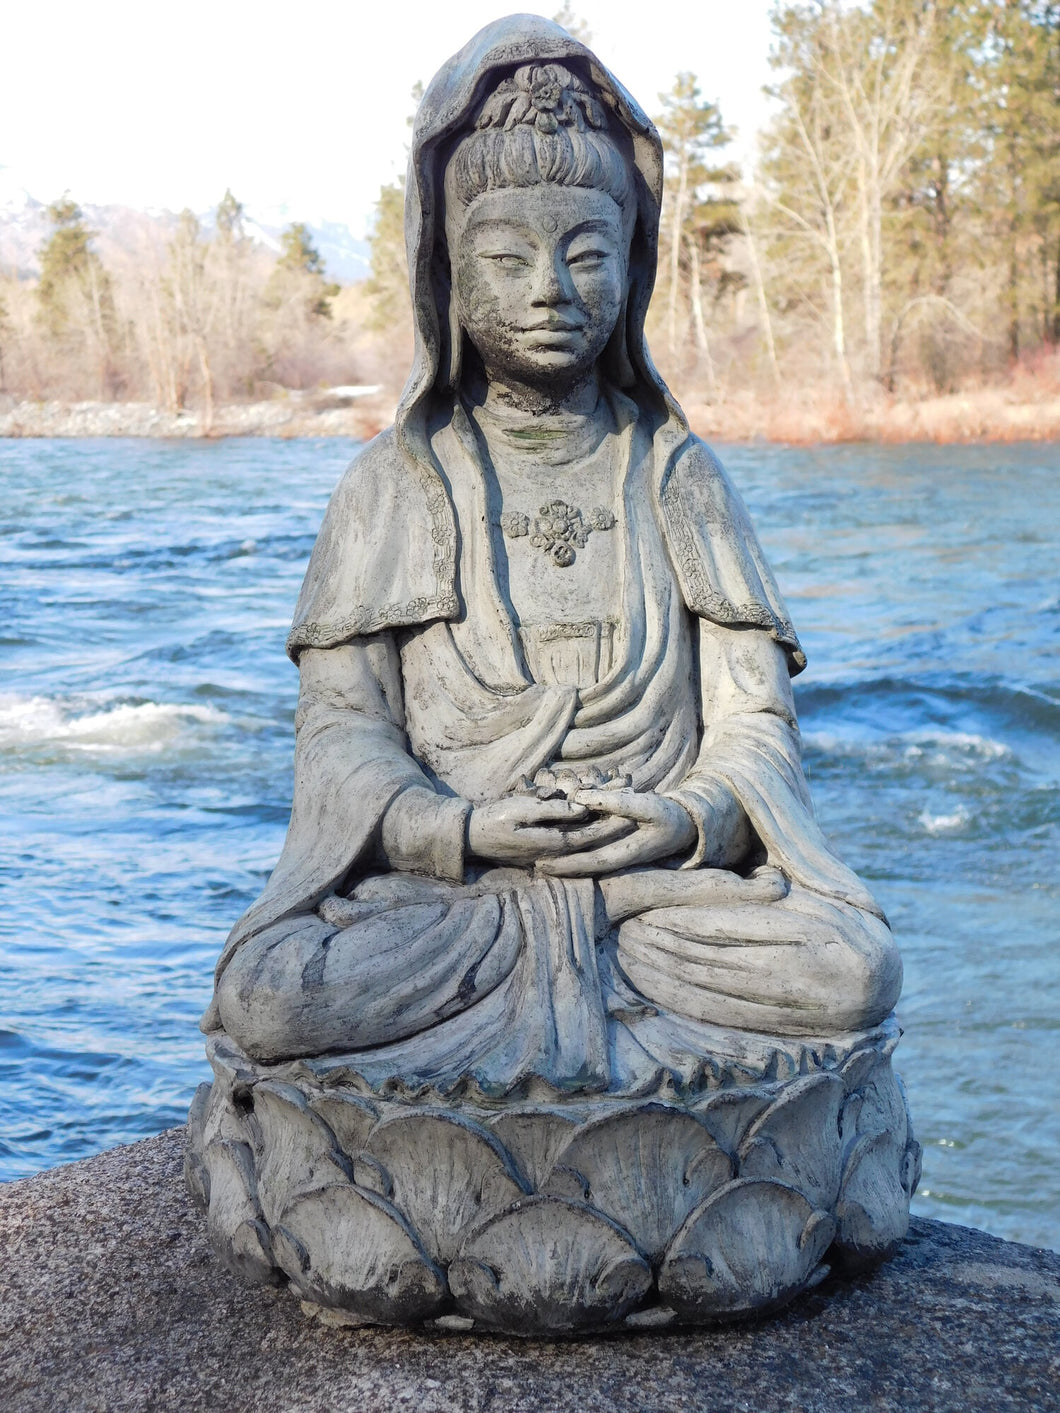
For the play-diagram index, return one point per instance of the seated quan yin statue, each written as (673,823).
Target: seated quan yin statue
(558,1011)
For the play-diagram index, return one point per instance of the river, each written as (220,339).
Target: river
(146,724)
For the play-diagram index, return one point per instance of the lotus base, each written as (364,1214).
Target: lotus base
(549,1214)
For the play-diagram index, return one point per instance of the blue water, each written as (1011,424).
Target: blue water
(146,721)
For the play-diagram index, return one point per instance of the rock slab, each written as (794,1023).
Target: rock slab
(110,1299)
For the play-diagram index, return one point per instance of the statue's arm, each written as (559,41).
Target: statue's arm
(748,719)
(351,730)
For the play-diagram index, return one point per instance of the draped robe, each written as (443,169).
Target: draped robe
(378,939)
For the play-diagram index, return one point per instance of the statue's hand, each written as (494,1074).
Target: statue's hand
(661,829)
(522,829)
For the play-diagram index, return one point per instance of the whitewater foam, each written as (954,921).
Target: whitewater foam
(943,823)
(960,749)
(119,727)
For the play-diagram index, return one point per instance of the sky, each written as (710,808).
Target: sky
(301,110)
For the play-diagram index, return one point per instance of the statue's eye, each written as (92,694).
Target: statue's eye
(505,258)
(587,257)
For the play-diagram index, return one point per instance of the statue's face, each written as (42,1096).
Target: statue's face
(540,279)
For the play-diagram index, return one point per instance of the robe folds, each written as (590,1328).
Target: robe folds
(377,938)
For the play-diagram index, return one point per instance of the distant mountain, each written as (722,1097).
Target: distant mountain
(24,226)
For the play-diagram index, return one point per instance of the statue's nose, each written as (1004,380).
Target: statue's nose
(551,281)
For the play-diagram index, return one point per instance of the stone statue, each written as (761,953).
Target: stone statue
(557,1010)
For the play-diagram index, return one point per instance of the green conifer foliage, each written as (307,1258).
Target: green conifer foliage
(299,274)
(75,297)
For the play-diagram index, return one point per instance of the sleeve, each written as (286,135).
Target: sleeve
(747,710)
(358,791)
(748,774)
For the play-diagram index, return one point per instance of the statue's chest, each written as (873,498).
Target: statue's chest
(559,540)
(559,546)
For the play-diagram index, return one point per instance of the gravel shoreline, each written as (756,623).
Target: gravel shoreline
(293,417)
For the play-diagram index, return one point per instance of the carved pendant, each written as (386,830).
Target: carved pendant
(558,528)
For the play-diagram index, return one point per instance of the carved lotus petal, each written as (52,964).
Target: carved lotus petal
(349,1249)
(729,1113)
(876,1106)
(350,1118)
(233,1223)
(646,1168)
(548,1264)
(298,1149)
(232,1069)
(447,1174)
(859,1064)
(873,1208)
(796,1140)
(196,1178)
(224,1113)
(912,1166)
(535,1141)
(750,1247)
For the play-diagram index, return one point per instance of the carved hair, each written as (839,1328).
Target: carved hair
(541,124)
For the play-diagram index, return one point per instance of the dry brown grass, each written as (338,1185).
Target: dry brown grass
(1026,407)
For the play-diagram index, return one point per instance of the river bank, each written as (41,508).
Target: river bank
(110,1299)
(1007,414)
(295,416)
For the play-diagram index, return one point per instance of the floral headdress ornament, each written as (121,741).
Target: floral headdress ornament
(547,96)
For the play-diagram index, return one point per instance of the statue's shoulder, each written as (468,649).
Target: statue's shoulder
(377,470)
(383,481)
(696,487)
(385,554)
(720,566)
(697,468)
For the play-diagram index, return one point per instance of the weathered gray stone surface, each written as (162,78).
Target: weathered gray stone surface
(550,839)
(110,1299)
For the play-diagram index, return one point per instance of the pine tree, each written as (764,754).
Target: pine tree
(298,300)
(300,274)
(75,298)
(938,252)
(1020,180)
(388,285)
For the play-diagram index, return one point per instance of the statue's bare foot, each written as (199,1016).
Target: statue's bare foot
(625,894)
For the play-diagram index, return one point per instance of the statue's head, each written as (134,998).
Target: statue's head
(539,210)
(533,196)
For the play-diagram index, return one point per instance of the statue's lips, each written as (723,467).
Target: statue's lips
(551,335)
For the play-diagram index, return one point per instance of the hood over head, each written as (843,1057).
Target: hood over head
(448,110)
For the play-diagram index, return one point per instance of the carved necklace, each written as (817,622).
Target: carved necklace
(558,529)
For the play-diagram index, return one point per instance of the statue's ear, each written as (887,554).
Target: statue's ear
(616,358)
(455,351)
(450,331)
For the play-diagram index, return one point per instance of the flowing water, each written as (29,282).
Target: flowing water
(146,723)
